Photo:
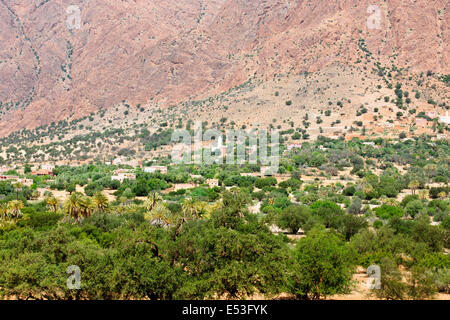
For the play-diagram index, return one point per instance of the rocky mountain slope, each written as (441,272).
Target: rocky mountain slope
(165,52)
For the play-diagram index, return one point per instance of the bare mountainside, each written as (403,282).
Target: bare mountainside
(169,51)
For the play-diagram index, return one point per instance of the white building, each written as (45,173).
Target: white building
(154,169)
(124,161)
(47,166)
(445,119)
(124,175)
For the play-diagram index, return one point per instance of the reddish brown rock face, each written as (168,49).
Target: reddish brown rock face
(174,50)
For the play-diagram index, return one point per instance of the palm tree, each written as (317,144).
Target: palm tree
(190,209)
(3,210)
(72,205)
(413,185)
(86,206)
(52,202)
(14,210)
(236,200)
(210,208)
(160,215)
(423,194)
(152,201)
(100,202)
(17,186)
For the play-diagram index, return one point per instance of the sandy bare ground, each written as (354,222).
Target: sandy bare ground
(360,291)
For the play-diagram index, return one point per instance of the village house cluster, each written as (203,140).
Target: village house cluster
(385,123)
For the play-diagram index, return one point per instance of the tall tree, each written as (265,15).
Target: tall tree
(190,209)
(52,203)
(73,205)
(152,201)
(160,215)
(18,187)
(322,266)
(100,202)
(86,205)
(413,185)
(15,209)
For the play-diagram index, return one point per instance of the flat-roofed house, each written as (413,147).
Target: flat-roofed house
(120,171)
(47,167)
(4,177)
(154,169)
(123,161)
(42,172)
(124,175)
(445,119)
